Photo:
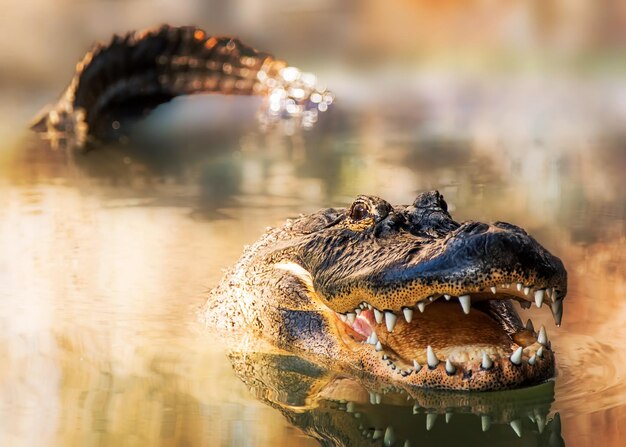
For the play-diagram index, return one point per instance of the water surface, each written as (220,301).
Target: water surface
(106,257)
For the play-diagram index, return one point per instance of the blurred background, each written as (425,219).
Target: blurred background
(515,111)
(527,55)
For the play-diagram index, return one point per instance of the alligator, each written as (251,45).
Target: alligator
(117,83)
(401,293)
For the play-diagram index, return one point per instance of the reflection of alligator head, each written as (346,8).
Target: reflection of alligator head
(375,290)
(341,411)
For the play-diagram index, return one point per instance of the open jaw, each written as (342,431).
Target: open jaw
(420,299)
(472,341)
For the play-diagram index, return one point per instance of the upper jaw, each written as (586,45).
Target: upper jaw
(526,294)
(477,259)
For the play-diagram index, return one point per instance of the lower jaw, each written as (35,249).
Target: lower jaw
(395,361)
(502,375)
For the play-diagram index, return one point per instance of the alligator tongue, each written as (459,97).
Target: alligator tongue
(447,329)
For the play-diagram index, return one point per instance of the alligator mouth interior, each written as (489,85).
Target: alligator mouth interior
(443,340)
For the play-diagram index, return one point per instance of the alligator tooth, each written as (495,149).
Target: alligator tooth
(408,314)
(485,422)
(350,407)
(524,304)
(372,398)
(507,285)
(557,311)
(526,290)
(430,420)
(378,315)
(448,416)
(385,357)
(390,320)
(431,298)
(519,286)
(516,425)
(541,423)
(407,443)
(421,306)
(343,318)
(529,326)
(362,305)
(542,337)
(539,297)
(373,338)
(431,358)
(532,360)
(540,352)
(549,292)
(357,311)
(417,366)
(466,303)
(416,408)
(516,357)
(379,347)
(369,306)
(447,297)
(379,399)
(450,368)
(351,317)
(390,437)
(377,434)
(486,363)
(493,289)
(369,340)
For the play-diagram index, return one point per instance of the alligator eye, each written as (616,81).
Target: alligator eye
(359,211)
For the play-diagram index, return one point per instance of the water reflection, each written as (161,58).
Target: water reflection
(343,411)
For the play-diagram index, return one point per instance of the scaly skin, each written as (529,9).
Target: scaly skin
(119,82)
(301,287)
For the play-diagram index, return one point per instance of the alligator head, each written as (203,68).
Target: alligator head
(401,293)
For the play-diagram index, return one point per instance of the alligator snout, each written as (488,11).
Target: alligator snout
(502,250)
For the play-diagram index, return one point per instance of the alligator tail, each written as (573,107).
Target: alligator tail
(136,72)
